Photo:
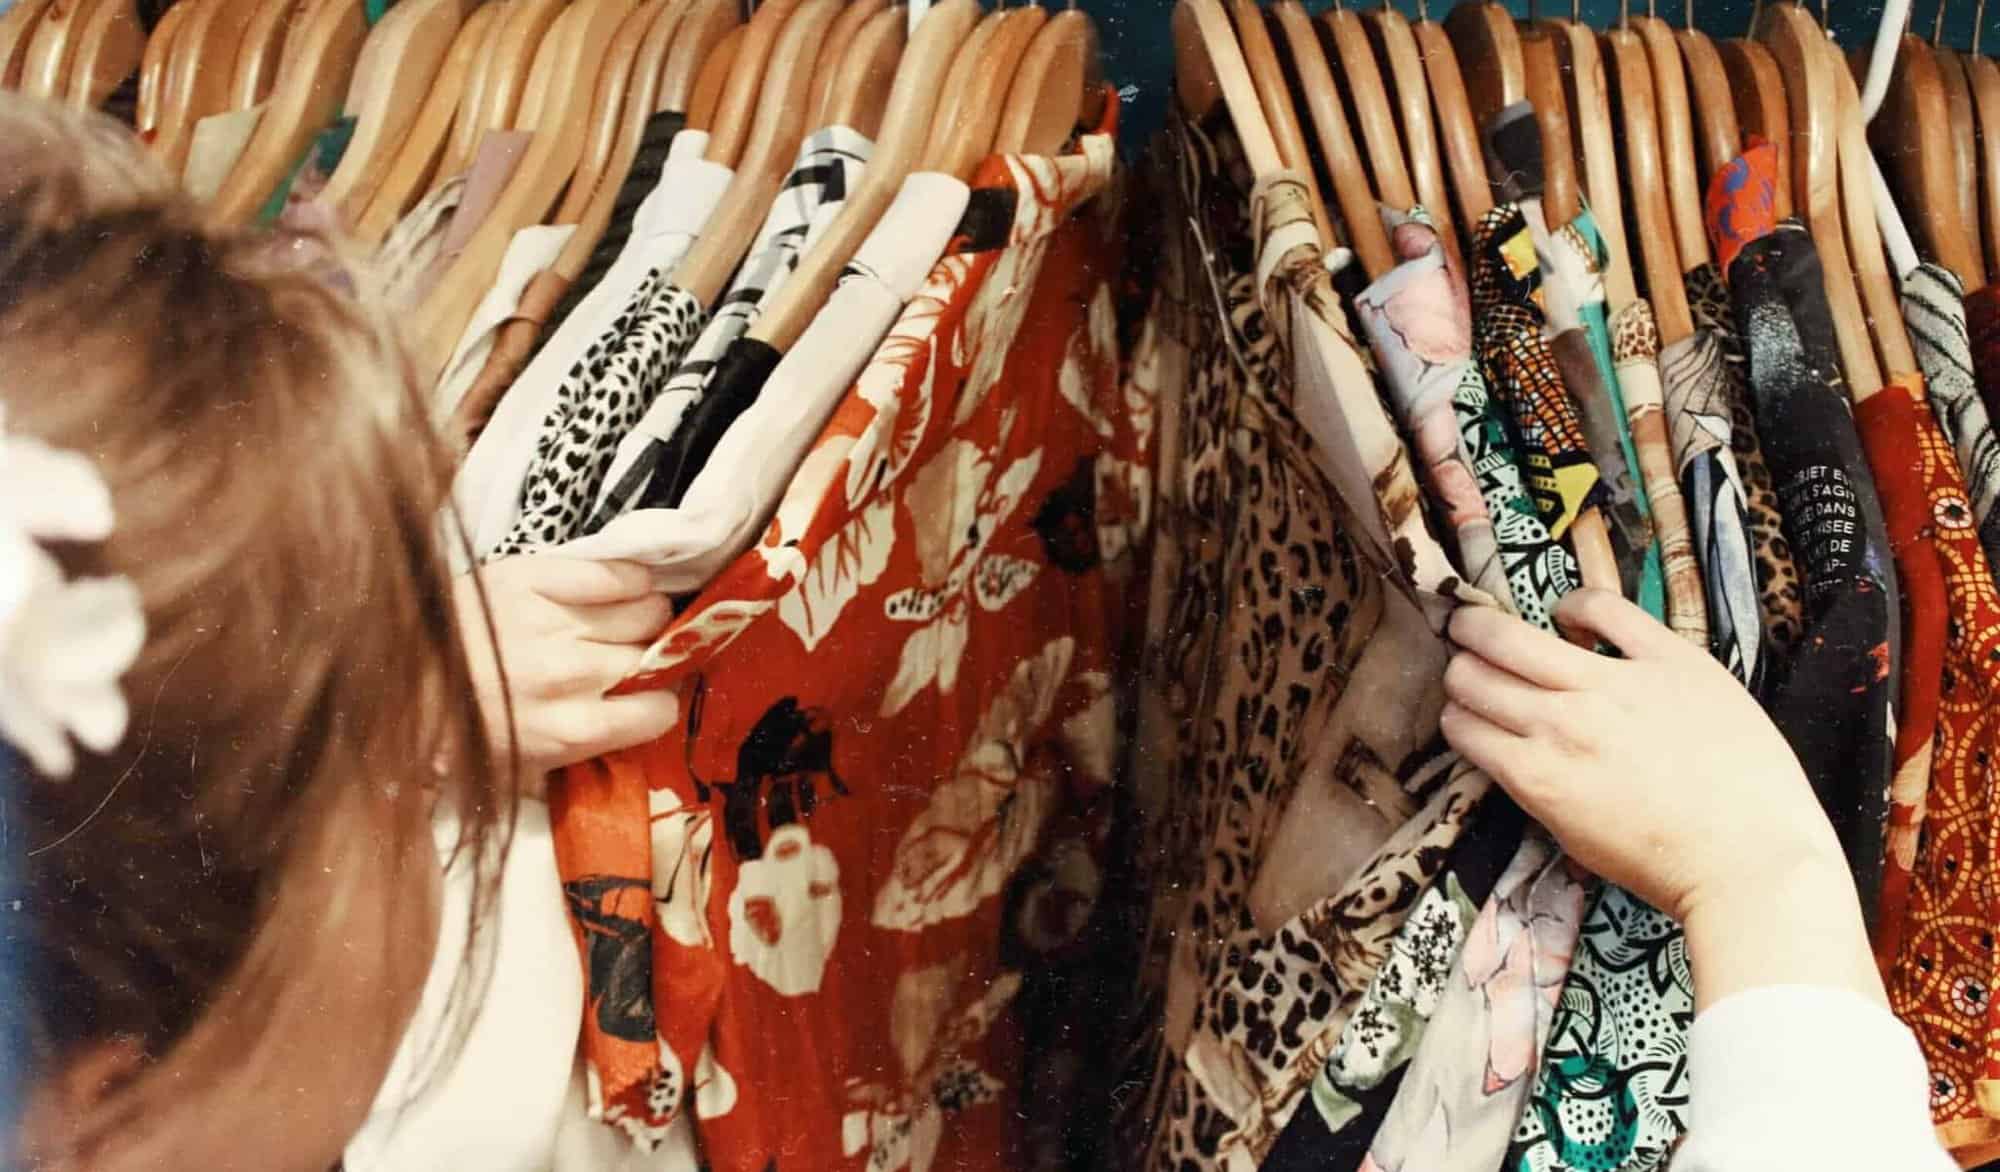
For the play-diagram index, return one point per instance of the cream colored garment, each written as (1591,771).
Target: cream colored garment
(218,143)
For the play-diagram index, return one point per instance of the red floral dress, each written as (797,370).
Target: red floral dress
(805,910)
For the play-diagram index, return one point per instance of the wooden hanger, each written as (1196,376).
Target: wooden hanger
(465,128)
(531,193)
(52,47)
(642,101)
(1675,119)
(769,152)
(1359,212)
(1985,77)
(1274,92)
(153,66)
(1864,235)
(401,58)
(859,96)
(1390,32)
(1058,87)
(1489,57)
(516,49)
(1365,89)
(699,41)
(1757,91)
(423,146)
(1913,136)
(607,110)
(730,131)
(706,99)
(1458,132)
(1645,183)
(17,29)
(109,48)
(1590,105)
(1798,45)
(199,74)
(1715,124)
(319,61)
(906,126)
(845,28)
(1541,72)
(969,108)
(1954,71)
(258,56)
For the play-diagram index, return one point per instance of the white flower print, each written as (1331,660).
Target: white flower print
(889,442)
(847,561)
(985,338)
(955,504)
(1088,379)
(900,1125)
(714,1087)
(785,912)
(983,822)
(683,854)
(701,634)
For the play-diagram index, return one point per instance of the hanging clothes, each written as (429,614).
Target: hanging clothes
(1635,348)
(1250,901)
(1831,695)
(492,480)
(1941,955)
(1779,594)
(1508,331)
(1934,310)
(1571,260)
(828,166)
(832,841)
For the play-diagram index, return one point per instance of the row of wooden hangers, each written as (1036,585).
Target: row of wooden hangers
(583,77)
(1634,119)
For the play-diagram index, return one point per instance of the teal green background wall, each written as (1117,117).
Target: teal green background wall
(1139,52)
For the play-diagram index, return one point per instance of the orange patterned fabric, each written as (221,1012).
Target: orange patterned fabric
(1943,970)
(807,910)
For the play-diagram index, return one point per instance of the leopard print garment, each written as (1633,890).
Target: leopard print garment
(1780,593)
(601,400)
(1263,629)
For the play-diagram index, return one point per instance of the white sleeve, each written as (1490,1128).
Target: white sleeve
(1798,1076)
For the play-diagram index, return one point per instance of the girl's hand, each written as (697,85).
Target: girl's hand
(1660,773)
(568,631)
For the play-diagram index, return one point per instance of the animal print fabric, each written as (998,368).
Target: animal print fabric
(1941,973)
(1934,311)
(1697,391)
(1779,595)
(1286,843)
(829,164)
(1635,346)
(601,400)
(886,708)
(1508,325)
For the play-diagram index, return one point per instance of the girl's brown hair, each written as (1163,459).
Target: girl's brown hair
(301,710)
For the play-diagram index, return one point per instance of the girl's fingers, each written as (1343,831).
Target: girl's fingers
(1501,753)
(637,621)
(577,582)
(1611,619)
(1499,696)
(1529,652)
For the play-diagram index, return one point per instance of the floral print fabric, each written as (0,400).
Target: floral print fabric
(1942,970)
(884,708)
(1419,324)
